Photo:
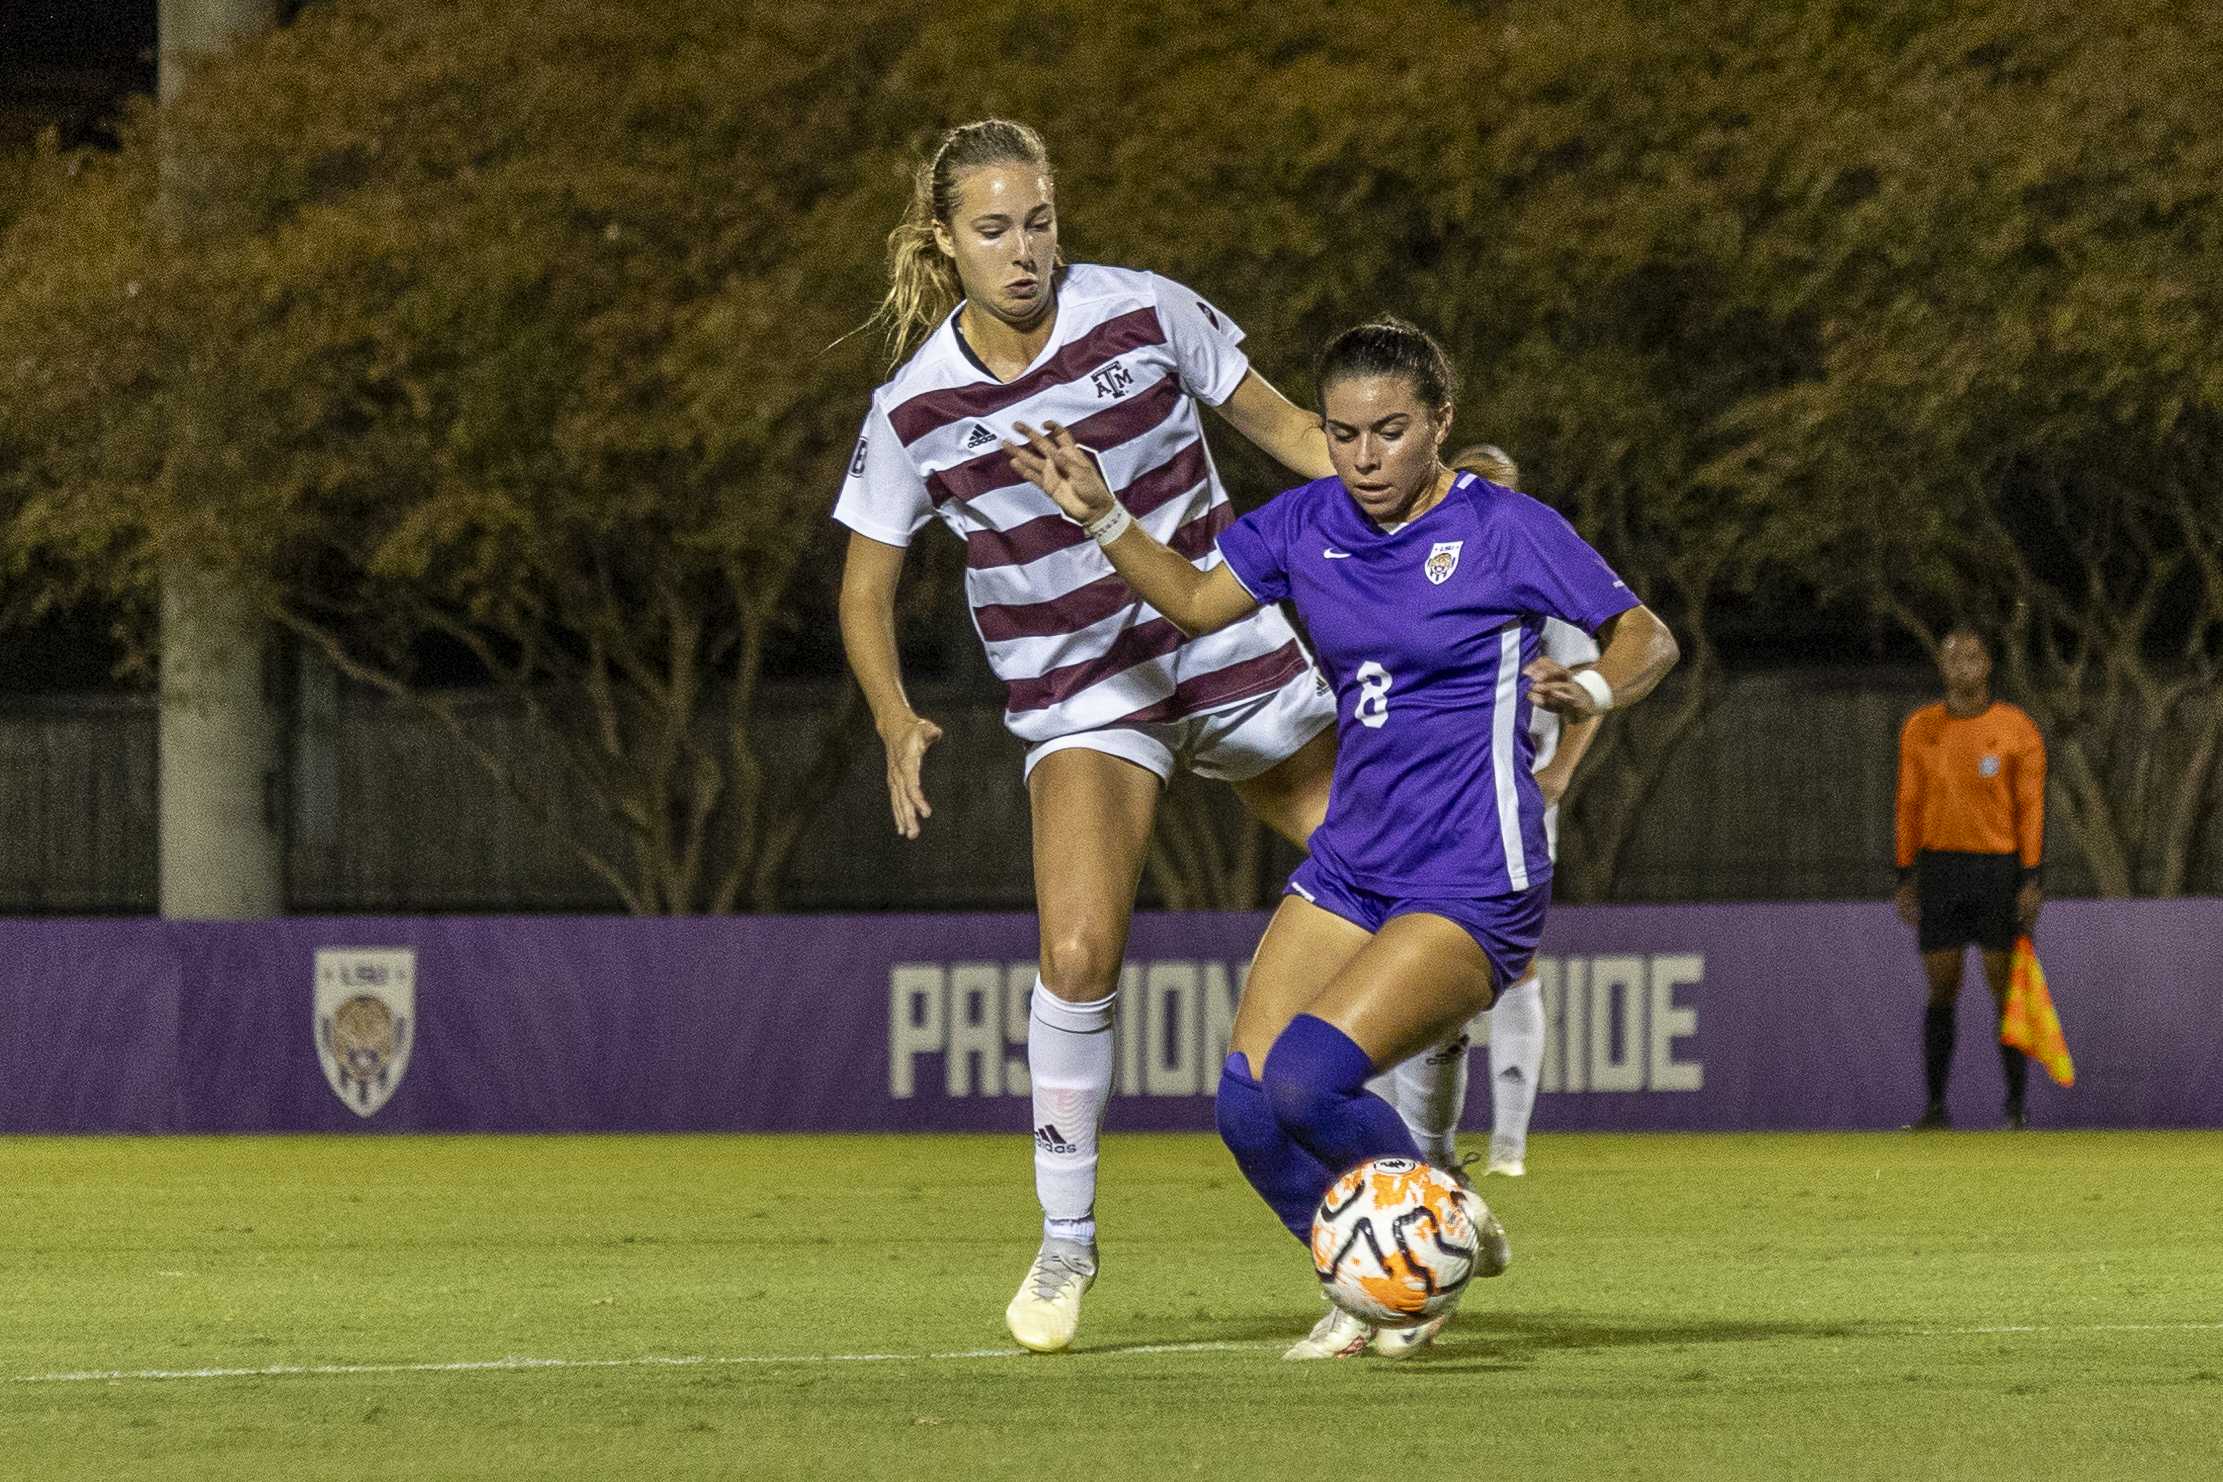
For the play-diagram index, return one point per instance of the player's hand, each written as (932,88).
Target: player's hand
(1909,905)
(2028,902)
(1551,685)
(1061,468)
(907,746)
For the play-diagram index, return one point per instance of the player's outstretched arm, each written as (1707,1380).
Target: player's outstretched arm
(868,580)
(1282,430)
(1196,601)
(1638,652)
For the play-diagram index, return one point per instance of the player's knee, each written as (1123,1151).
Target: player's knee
(1244,1117)
(1080,966)
(1312,1069)
(1296,1096)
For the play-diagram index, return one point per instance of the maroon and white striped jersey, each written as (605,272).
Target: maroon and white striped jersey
(1130,357)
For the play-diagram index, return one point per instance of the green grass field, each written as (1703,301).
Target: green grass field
(1952,1306)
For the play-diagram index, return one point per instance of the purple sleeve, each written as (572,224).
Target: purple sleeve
(1555,572)
(1254,549)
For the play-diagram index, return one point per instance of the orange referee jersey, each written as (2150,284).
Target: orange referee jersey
(1971,784)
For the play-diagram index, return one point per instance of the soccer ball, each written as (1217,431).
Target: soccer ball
(1393,1241)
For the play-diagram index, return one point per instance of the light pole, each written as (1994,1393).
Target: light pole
(221,807)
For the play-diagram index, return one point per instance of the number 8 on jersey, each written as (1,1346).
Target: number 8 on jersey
(1373,701)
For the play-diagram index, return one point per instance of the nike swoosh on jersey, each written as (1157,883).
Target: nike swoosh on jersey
(1335,555)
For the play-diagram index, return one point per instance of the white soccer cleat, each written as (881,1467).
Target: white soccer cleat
(1508,1167)
(1336,1335)
(1047,1312)
(1492,1251)
(1397,1343)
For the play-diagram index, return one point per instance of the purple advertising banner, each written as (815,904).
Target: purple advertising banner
(1660,1017)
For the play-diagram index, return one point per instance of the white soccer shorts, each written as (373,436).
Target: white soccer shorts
(1232,744)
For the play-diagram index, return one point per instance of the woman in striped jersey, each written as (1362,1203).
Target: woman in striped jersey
(1108,695)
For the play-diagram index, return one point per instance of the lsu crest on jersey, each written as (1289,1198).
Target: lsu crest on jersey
(1443,560)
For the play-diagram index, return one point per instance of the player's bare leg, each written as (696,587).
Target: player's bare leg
(1998,966)
(1416,980)
(1291,796)
(1303,950)
(1092,817)
(1942,970)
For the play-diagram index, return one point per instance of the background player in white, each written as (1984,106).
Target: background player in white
(1109,696)
(1430,1090)
(1428,881)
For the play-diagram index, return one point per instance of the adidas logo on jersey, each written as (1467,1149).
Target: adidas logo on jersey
(980,437)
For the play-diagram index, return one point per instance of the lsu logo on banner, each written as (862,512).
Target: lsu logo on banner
(365,1015)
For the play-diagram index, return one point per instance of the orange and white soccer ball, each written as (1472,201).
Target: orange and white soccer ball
(1394,1241)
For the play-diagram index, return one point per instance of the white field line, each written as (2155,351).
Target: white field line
(519,1363)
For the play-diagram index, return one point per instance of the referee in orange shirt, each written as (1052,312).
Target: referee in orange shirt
(1971,830)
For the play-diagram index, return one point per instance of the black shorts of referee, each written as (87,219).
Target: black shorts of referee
(1966,898)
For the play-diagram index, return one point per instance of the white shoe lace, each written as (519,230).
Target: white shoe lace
(1055,1270)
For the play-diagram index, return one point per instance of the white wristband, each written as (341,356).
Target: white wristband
(1110,525)
(1595,685)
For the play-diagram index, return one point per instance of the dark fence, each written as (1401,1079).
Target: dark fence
(1783,793)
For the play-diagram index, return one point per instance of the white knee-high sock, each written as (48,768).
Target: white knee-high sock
(1429,1091)
(1516,1060)
(1069,1057)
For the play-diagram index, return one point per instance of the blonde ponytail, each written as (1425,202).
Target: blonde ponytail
(1490,461)
(922,283)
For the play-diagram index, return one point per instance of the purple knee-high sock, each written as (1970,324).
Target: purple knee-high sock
(1315,1082)
(1284,1174)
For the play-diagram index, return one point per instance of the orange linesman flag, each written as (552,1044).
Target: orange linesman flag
(2029,1023)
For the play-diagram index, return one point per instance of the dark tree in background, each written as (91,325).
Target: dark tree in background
(518,328)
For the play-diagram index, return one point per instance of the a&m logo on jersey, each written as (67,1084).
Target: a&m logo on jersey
(1112,381)
(1443,560)
(365,1017)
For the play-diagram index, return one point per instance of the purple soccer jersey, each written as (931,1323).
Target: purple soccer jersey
(1423,631)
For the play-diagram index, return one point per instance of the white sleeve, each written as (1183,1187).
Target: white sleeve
(883,496)
(1568,644)
(1205,342)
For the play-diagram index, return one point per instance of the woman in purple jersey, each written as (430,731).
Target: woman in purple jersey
(992,324)
(1425,590)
